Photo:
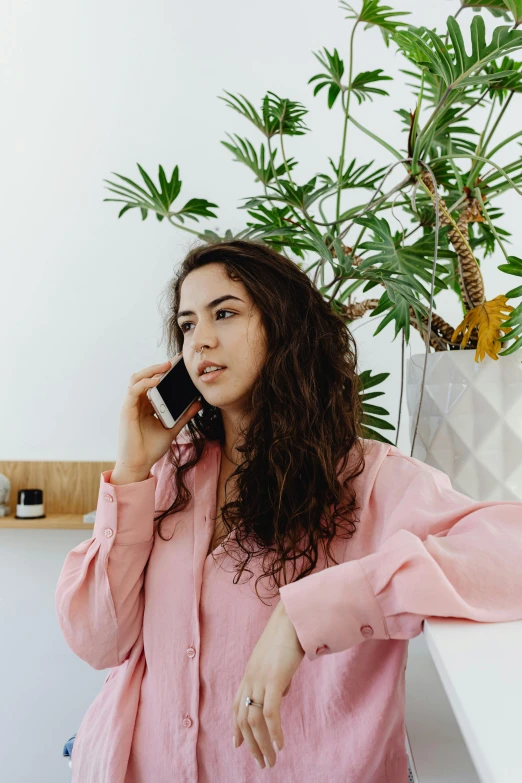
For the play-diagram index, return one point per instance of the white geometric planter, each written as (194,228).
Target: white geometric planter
(470,425)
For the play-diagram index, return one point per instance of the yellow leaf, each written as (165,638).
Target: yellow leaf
(488,316)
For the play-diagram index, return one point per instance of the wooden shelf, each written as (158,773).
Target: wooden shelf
(50,522)
(70,489)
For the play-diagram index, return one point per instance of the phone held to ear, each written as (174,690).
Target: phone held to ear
(173,394)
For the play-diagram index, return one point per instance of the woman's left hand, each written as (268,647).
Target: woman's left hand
(268,675)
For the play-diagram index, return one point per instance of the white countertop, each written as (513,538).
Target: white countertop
(480,666)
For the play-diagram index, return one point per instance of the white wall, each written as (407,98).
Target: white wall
(89,89)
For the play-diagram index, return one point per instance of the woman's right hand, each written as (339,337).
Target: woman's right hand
(143,439)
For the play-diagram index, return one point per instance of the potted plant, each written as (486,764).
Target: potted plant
(446,182)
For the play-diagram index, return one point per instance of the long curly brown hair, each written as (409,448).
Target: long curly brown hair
(304,425)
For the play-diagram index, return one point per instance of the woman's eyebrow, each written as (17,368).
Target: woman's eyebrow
(210,305)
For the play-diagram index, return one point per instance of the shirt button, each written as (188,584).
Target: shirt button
(187,723)
(367,630)
(191,652)
(322,649)
(108,497)
(108,532)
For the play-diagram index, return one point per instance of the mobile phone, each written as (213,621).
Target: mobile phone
(173,394)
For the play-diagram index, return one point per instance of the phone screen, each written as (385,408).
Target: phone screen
(177,389)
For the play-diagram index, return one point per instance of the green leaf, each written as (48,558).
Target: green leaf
(515,323)
(125,209)
(375,409)
(245,108)
(370,416)
(449,135)
(515,6)
(496,7)
(157,200)
(334,67)
(363,83)
(283,116)
(160,198)
(273,227)
(260,164)
(299,196)
(509,78)
(344,261)
(278,115)
(369,434)
(319,245)
(414,261)
(196,207)
(375,422)
(355,176)
(454,65)
(513,267)
(432,87)
(514,293)
(373,13)
(368,380)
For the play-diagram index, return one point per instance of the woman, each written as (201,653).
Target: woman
(271,493)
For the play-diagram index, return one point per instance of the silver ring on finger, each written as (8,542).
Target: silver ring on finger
(248,702)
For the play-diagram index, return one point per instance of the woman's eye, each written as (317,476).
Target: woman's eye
(186,323)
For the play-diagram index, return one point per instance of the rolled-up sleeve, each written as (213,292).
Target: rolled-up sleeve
(442,555)
(99,597)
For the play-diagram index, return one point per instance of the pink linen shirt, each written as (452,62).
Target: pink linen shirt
(177,633)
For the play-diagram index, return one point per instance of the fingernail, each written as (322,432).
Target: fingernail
(234,741)
(276,746)
(259,764)
(268,764)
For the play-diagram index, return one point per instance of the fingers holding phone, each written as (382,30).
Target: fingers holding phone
(142,438)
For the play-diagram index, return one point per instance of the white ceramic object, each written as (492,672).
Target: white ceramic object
(470,425)
(5,491)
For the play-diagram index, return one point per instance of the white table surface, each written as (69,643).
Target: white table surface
(480,666)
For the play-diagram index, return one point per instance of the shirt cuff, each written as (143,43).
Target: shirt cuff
(333,609)
(125,512)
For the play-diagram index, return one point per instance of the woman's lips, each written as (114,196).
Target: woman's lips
(210,376)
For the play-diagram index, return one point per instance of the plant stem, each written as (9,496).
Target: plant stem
(497,121)
(283,153)
(377,138)
(472,106)
(361,234)
(312,226)
(345,127)
(473,171)
(478,196)
(484,160)
(506,141)
(402,389)
(416,149)
(377,203)
(183,228)
(458,12)
(434,113)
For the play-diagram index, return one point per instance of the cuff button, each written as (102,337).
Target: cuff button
(108,532)
(367,630)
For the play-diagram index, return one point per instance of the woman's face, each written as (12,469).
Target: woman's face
(230,333)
